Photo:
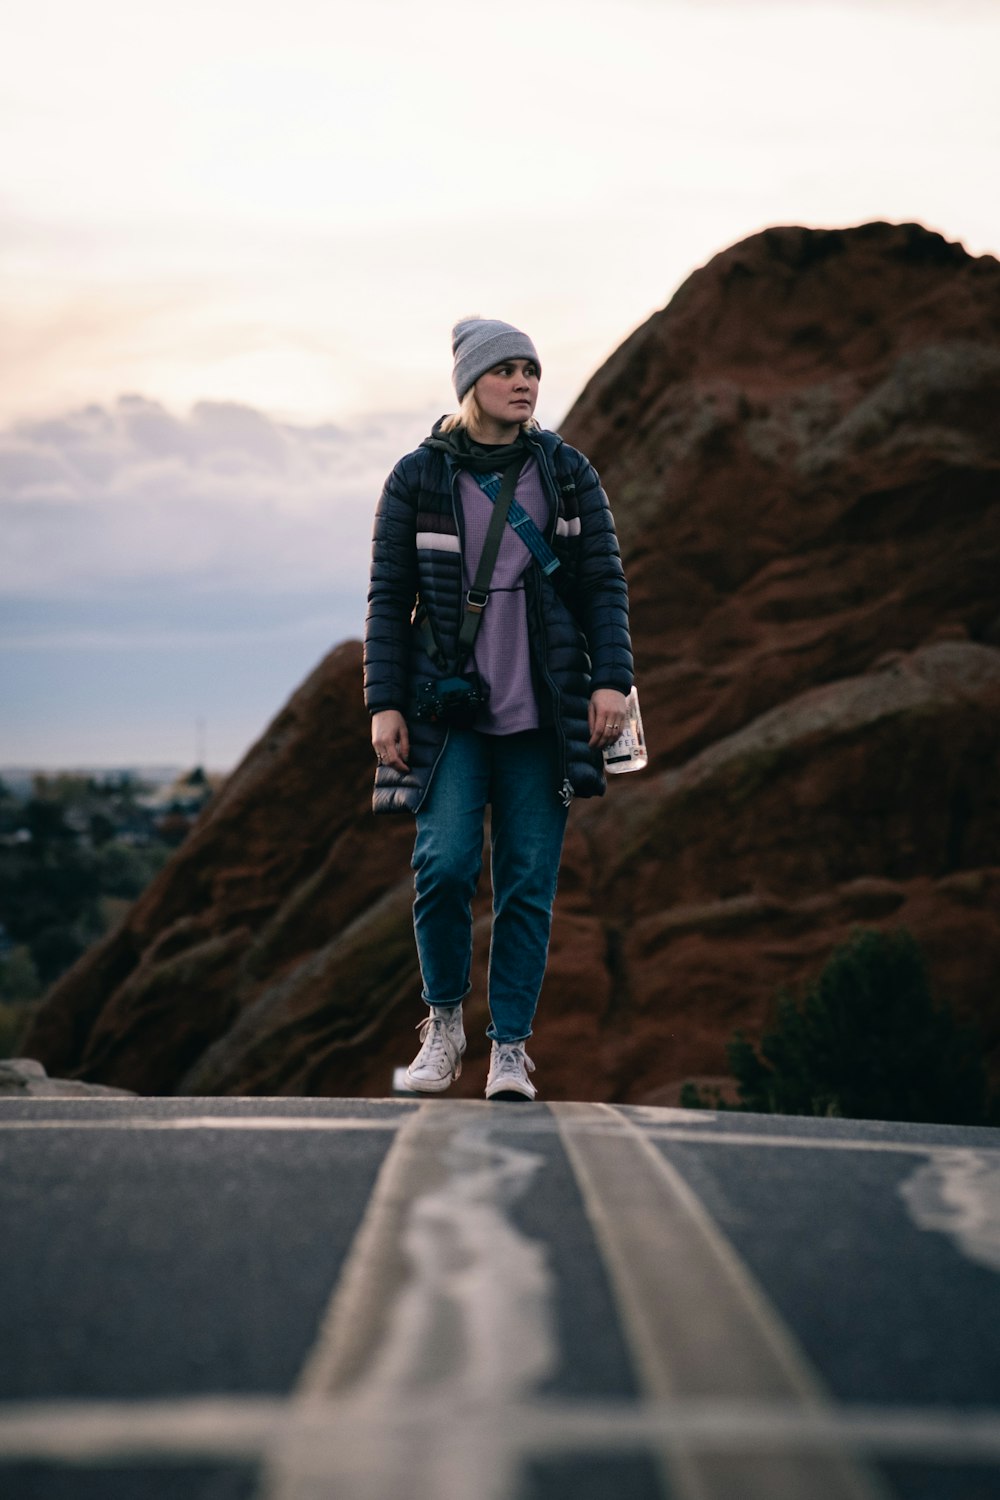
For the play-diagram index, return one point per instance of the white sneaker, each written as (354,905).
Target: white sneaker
(439,1061)
(509,1069)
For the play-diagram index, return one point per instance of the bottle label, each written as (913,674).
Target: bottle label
(628,751)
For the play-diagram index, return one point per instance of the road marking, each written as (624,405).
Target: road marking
(424,1376)
(805,1142)
(443,1308)
(619,1125)
(250,1428)
(214,1122)
(958,1194)
(698,1324)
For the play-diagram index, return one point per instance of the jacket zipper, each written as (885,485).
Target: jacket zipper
(565,790)
(553,488)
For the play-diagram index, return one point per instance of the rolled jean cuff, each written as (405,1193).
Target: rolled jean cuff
(445,1004)
(505,1041)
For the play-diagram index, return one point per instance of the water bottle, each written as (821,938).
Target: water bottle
(628,753)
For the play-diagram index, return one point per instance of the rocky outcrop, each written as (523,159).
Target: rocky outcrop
(803,454)
(285,858)
(25,1078)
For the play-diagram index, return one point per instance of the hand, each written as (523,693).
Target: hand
(606,715)
(391,739)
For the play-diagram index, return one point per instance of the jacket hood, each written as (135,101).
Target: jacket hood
(456,442)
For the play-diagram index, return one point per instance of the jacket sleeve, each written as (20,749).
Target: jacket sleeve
(602,593)
(392,592)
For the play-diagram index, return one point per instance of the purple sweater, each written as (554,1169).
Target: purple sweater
(502,654)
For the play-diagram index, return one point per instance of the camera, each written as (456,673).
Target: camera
(451,700)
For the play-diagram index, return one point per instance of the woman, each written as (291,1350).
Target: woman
(551,657)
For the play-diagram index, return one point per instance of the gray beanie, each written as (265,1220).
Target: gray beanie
(480,343)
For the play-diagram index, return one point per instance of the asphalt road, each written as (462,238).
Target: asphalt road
(264,1299)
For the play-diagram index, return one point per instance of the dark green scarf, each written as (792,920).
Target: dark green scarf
(478,457)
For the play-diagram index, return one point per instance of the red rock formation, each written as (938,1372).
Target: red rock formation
(803,453)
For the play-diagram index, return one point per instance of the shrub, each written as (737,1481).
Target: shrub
(865,1041)
(14,1023)
(19,980)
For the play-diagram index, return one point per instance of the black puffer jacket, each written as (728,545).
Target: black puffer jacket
(578,619)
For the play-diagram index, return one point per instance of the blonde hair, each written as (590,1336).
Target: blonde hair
(470,416)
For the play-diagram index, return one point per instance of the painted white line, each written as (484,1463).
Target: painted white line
(441,1298)
(958,1194)
(698,1323)
(94,1432)
(216,1122)
(709,1137)
(810,1143)
(619,1125)
(250,1428)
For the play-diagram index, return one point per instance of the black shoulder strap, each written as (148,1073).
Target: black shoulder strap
(478,595)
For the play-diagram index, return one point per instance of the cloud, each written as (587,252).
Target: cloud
(955,11)
(161,569)
(122,497)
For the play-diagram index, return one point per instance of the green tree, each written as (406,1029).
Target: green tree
(126,871)
(865,1041)
(102,829)
(10,809)
(20,988)
(19,980)
(45,822)
(61,887)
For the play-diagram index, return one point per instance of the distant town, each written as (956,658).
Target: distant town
(76,848)
(21,779)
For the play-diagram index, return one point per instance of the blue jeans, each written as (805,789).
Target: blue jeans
(516,774)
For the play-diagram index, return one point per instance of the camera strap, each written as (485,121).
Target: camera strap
(478,595)
(522,523)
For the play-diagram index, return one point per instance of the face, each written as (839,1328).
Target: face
(507,394)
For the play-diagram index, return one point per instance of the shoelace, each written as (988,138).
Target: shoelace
(511,1058)
(435,1040)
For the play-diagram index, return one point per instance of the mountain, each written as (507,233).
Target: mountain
(803,454)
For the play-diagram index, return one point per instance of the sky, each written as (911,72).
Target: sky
(234,239)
